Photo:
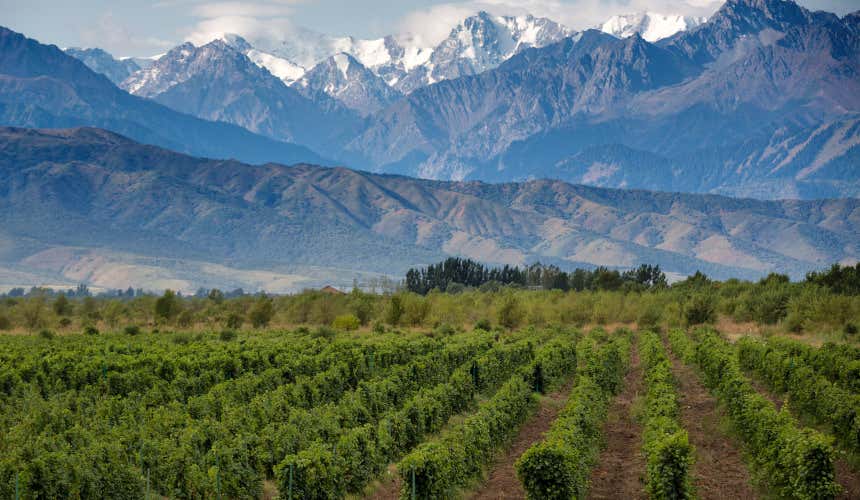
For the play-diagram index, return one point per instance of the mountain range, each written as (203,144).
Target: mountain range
(41,86)
(519,140)
(87,205)
(760,100)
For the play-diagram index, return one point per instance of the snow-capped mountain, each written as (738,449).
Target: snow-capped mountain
(479,43)
(218,82)
(650,25)
(476,44)
(345,79)
(102,62)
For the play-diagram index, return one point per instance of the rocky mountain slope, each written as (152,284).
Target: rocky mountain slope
(132,213)
(219,82)
(346,80)
(731,103)
(41,86)
(100,61)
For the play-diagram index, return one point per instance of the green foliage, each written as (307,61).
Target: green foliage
(809,391)
(62,306)
(262,312)
(47,334)
(510,313)
(234,321)
(167,306)
(797,462)
(669,455)
(441,465)
(227,335)
(90,330)
(483,324)
(558,467)
(700,308)
(347,322)
(132,330)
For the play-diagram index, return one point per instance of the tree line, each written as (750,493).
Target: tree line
(454,274)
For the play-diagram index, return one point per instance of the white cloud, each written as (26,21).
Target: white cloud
(248,19)
(108,31)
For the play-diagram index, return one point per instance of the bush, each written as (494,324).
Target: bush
(181,339)
(510,314)
(445,330)
(796,461)
(347,322)
(234,321)
(558,468)
(483,324)
(47,334)
(849,329)
(649,318)
(325,332)
(699,309)
(65,322)
(227,335)
(378,327)
(5,324)
(262,312)
(91,330)
(185,319)
(132,330)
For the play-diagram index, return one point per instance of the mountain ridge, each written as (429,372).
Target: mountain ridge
(217,220)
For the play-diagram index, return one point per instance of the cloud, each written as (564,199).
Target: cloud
(107,31)
(248,19)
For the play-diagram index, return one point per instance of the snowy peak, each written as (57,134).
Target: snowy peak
(102,62)
(171,69)
(483,42)
(348,81)
(478,43)
(650,25)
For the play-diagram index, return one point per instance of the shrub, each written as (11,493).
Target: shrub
(346,322)
(65,322)
(445,330)
(234,321)
(262,312)
(510,314)
(132,330)
(483,324)
(47,334)
(91,330)
(185,319)
(325,332)
(849,329)
(181,339)
(649,318)
(378,327)
(5,324)
(227,335)
(699,309)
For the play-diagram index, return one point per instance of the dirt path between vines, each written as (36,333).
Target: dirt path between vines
(620,470)
(719,471)
(502,482)
(847,476)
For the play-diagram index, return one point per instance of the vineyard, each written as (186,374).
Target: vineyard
(297,415)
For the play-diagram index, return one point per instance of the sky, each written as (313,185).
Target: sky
(135,28)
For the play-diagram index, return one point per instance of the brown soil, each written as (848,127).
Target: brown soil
(387,488)
(620,468)
(719,471)
(502,482)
